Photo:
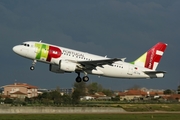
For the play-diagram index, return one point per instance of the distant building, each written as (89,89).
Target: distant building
(20,90)
(87,98)
(67,91)
(132,94)
(172,97)
(96,96)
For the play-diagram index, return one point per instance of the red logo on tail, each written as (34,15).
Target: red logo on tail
(155,55)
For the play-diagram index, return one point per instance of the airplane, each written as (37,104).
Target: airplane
(65,60)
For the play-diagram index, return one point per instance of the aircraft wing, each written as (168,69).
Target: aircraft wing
(95,63)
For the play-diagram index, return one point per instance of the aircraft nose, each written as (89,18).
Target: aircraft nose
(15,49)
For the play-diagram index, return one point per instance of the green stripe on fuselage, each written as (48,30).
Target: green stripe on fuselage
(42,51)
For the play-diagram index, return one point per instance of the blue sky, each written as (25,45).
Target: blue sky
(116,28)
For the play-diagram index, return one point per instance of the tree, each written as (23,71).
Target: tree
(79,90)
(168,91)
(58,89)
(53,97)
(116,98)
(135,87)
(76,96)
(56,97)
(28,100)
(8,101)
(44,95)
(66,99)
(178,90)
(107,92)
(94,87)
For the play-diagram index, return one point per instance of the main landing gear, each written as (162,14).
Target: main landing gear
(79,79)
(33,65)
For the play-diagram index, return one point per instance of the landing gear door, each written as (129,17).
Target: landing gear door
(130,70)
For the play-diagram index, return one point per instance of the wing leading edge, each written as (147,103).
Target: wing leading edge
(94,63)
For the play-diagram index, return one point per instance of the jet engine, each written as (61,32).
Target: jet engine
(55,69)
(67,66)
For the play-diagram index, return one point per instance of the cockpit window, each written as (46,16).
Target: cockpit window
(26,44)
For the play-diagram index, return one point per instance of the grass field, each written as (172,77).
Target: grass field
(143,116)
(151,107)
(137,107)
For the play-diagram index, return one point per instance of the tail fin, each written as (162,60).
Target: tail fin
(152,57)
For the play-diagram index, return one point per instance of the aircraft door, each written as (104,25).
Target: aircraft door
(130,70)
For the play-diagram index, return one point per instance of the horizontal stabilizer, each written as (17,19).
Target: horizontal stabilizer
(154,72)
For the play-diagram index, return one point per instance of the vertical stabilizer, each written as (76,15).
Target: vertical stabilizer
(152,57)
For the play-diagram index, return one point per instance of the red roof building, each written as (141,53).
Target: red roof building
(20,90)
(137,93)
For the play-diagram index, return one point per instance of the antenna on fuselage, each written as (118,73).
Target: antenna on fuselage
(40,41)
(123,59)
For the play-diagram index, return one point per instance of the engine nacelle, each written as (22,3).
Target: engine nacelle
(55,69)
(67,66)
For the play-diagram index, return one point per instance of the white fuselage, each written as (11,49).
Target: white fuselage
(119,69)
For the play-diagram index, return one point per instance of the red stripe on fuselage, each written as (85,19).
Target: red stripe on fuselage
(54,52)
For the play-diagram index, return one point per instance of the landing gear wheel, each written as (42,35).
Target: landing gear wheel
(78,79)
(33,64)
(85,78)
(32,68)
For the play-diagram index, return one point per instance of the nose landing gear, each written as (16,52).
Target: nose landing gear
(32,68)
(33,64)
